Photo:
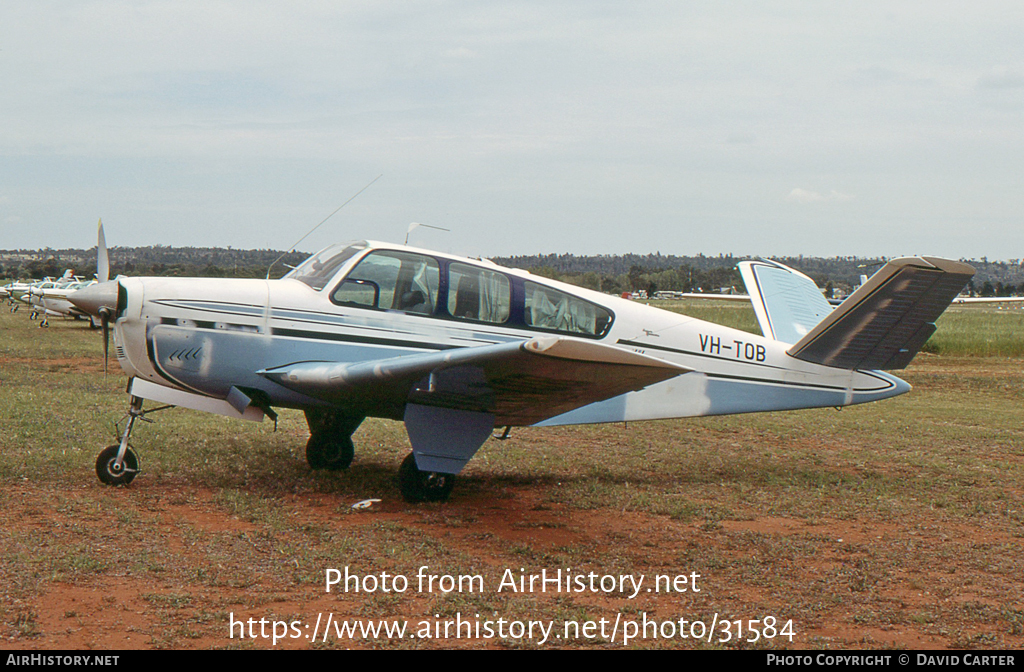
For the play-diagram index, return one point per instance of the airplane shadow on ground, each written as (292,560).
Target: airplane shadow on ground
(376,476)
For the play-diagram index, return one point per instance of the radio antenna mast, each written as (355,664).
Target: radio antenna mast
(413,225)
(321,223)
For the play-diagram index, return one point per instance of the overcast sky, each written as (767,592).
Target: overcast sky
(866,128)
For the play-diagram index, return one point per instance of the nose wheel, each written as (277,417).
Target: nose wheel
(114,472)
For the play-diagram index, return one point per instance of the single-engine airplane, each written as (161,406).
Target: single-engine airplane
(456,347)
(54,301)
(14,291)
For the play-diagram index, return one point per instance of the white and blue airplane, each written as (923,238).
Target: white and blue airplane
(457,347)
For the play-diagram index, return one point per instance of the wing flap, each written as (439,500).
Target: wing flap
(520,383)
(885,322)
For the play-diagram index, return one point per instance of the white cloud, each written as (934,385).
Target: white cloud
(1002,78)
(798,195)
(461,52)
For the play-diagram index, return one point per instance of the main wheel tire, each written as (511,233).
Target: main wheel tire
(423,486)
(106,466)
(333,453)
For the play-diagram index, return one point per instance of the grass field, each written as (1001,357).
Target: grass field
(891,525)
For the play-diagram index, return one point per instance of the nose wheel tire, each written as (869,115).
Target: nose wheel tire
(423,486)
(110,473)
(333,453)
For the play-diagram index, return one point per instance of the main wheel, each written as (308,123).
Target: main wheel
(423,486)
(110,473)
(331,452)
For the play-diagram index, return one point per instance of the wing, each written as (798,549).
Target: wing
(519,383)
(885,322)
(712,297)
(988,299)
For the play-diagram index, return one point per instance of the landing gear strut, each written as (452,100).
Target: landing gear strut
(423,486)
(118,464)
(330,439)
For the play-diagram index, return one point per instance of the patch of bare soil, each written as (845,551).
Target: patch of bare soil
(845,583)
(103,615)
(59,364)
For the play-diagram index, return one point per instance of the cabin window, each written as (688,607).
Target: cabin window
(391,280)
(552,310)
(318,270)
(478,294)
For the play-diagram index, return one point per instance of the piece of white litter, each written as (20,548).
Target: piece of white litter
(365,504)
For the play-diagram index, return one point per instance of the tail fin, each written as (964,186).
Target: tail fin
(885,322)
(787,303)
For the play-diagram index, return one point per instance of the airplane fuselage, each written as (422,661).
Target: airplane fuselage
(206,336)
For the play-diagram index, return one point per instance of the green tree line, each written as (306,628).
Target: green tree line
(607,273)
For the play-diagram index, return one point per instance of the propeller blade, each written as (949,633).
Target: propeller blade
(102,261)
(100,301)
(106,340)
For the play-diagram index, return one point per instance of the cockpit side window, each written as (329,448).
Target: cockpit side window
(552,310)
(392,280)
(478,294)
(318,270)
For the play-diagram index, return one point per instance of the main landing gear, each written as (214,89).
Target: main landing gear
(330,448)
(330,444)
(423,486)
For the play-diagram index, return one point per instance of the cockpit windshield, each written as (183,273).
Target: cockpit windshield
(318,270)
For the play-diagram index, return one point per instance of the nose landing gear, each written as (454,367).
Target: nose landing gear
(118,464)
